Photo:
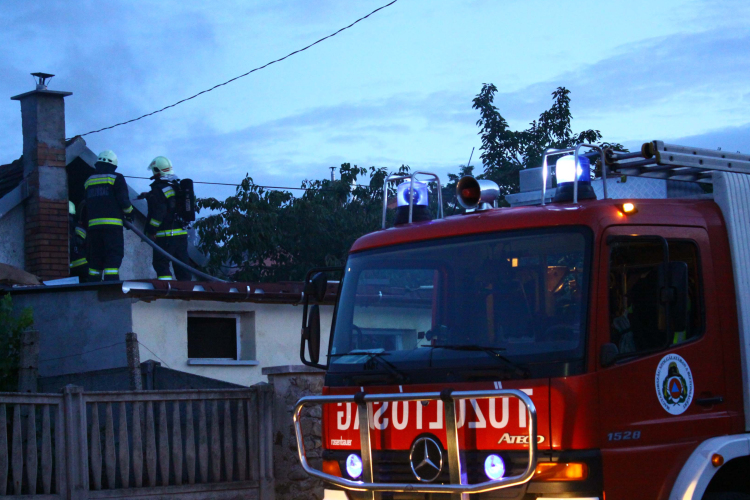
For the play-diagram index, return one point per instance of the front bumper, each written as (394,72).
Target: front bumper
(393,466)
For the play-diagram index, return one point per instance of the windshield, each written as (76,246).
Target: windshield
(499,306)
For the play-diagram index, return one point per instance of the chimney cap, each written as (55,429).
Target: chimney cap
(43,80)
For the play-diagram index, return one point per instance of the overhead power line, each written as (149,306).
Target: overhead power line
(264,187)
(244,74)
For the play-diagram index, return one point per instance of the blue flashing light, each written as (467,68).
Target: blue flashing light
(420,193)
(354,466)
(494,467)
(565,169)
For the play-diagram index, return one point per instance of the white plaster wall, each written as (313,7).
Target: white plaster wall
(138,256)
(161,326)
(12,237)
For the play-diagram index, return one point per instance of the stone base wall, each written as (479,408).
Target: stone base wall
(290,383)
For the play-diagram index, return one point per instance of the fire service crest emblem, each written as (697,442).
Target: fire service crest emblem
(674,384)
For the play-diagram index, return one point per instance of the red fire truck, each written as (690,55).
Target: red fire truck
(579,348)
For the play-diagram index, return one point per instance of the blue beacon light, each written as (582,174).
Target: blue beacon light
(421,196)
(567,170)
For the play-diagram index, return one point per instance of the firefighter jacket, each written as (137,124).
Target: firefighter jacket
(163,219)
(106,197)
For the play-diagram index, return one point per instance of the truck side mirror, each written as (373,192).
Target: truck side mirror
(317,286)
(608,354)
(313,333)
(678,308)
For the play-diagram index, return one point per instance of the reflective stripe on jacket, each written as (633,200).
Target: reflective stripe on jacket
(171,232)
(105,222)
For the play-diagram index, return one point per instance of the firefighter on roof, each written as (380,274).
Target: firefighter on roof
(79,266)
(165,223)
(107,204)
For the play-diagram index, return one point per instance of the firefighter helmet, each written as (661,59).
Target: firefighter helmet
(161,165)
(108,156)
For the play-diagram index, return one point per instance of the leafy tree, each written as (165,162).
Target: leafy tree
(506,151)
(11,327)
(261,235)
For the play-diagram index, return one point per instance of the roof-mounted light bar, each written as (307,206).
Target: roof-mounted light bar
(576,153)
(411,197)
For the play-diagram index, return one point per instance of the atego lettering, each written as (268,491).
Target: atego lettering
(507,438)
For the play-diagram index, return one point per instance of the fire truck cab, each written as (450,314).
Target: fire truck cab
(581,348)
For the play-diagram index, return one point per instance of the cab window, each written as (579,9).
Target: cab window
(637,315)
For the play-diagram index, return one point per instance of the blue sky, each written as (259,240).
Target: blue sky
(397,88)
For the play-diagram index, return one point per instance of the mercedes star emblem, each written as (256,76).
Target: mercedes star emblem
(426,459)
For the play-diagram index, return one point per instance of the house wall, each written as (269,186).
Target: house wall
(161,326)
(11,237)
(78,330)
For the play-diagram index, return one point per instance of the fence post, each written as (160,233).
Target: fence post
(134,361)
(76,441)
(28,365)
(290,383)
(265,404)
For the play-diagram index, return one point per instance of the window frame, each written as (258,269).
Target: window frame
(238,361)
(700,329)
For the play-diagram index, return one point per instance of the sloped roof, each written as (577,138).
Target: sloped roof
(11,176)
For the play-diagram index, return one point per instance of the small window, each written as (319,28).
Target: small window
(212,337)
(221,336)
(637,315)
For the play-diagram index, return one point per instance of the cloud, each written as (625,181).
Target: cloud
(694,81)
(730,139)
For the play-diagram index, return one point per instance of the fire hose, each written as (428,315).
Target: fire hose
(166,254)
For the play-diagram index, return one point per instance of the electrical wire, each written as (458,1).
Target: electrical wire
(152,352)
(105,347)
(242,75)
(264,187)
(84,352)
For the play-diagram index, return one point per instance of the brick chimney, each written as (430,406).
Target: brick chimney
(46,228)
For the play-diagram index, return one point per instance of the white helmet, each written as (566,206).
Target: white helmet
(108,156)
(161,165)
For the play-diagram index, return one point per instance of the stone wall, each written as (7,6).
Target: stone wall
(290,383)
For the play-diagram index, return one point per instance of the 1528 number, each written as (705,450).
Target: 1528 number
(623,436)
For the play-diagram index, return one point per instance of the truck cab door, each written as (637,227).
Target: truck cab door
(660,389)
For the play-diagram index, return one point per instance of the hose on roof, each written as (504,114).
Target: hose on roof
(166,254)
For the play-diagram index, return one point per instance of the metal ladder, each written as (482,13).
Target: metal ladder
(673,162)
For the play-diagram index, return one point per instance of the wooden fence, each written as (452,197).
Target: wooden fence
(176,444)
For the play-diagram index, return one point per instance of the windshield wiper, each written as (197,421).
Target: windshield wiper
(491,351)
(374,358)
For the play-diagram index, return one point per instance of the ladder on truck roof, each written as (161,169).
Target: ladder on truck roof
(656,160)
(672,162)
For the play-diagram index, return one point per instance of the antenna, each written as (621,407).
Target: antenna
(472,154)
